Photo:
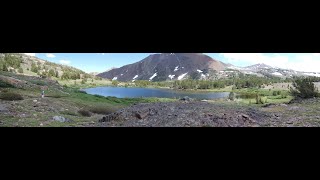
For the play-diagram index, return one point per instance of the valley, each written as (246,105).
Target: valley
(256,96)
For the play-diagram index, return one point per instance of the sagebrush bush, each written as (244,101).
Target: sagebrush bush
(84,112)
(10,96)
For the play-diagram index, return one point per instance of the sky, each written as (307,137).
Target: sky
(100,62)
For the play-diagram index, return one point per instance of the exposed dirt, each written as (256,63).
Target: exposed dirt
(202,114)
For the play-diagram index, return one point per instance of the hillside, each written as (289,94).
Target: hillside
(28,65)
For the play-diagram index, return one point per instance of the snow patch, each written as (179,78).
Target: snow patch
(312,74)
(154,75)
(199,71)
(135,77)
(115,78)
(182,76)
(121,74)
(202,75)
(277,74)
(176,69)
(171,76)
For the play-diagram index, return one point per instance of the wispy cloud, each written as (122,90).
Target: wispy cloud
(65,62)
(50,55)
(30,54)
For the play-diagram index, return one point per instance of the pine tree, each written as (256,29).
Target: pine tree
(34,68)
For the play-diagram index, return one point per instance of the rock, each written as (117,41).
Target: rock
(186,98)
(245,116)
(41,124)
(35,100)
(283,105)
(3,108)
(61,119)
(104,119)
(204,100)
(141,115)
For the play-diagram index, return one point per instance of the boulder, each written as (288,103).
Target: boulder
(141,115)
(61,119)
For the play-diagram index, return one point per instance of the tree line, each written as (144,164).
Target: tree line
(246,81)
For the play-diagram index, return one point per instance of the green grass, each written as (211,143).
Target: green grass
(88,84)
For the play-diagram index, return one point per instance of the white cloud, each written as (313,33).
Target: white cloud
(50,55)
(297,61)
(30,54)
(101,53)
(66,62)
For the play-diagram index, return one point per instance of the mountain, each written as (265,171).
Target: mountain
(258,67)
(268,71)
(166,66)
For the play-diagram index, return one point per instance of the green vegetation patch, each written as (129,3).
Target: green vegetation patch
(10,96)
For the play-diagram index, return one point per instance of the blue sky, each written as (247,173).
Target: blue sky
(99,62)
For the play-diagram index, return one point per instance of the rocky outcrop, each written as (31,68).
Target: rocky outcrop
(184,114)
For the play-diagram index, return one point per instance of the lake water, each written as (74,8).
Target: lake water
(122,92)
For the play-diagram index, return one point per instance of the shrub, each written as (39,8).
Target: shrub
(84,112)
(20,70)
(10,96)
(260,100)
(278,92)
(102,110)
(4,84)
(274,93)
(115,83)
(83,81)
(284,95)
(304,88)
(231,96)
